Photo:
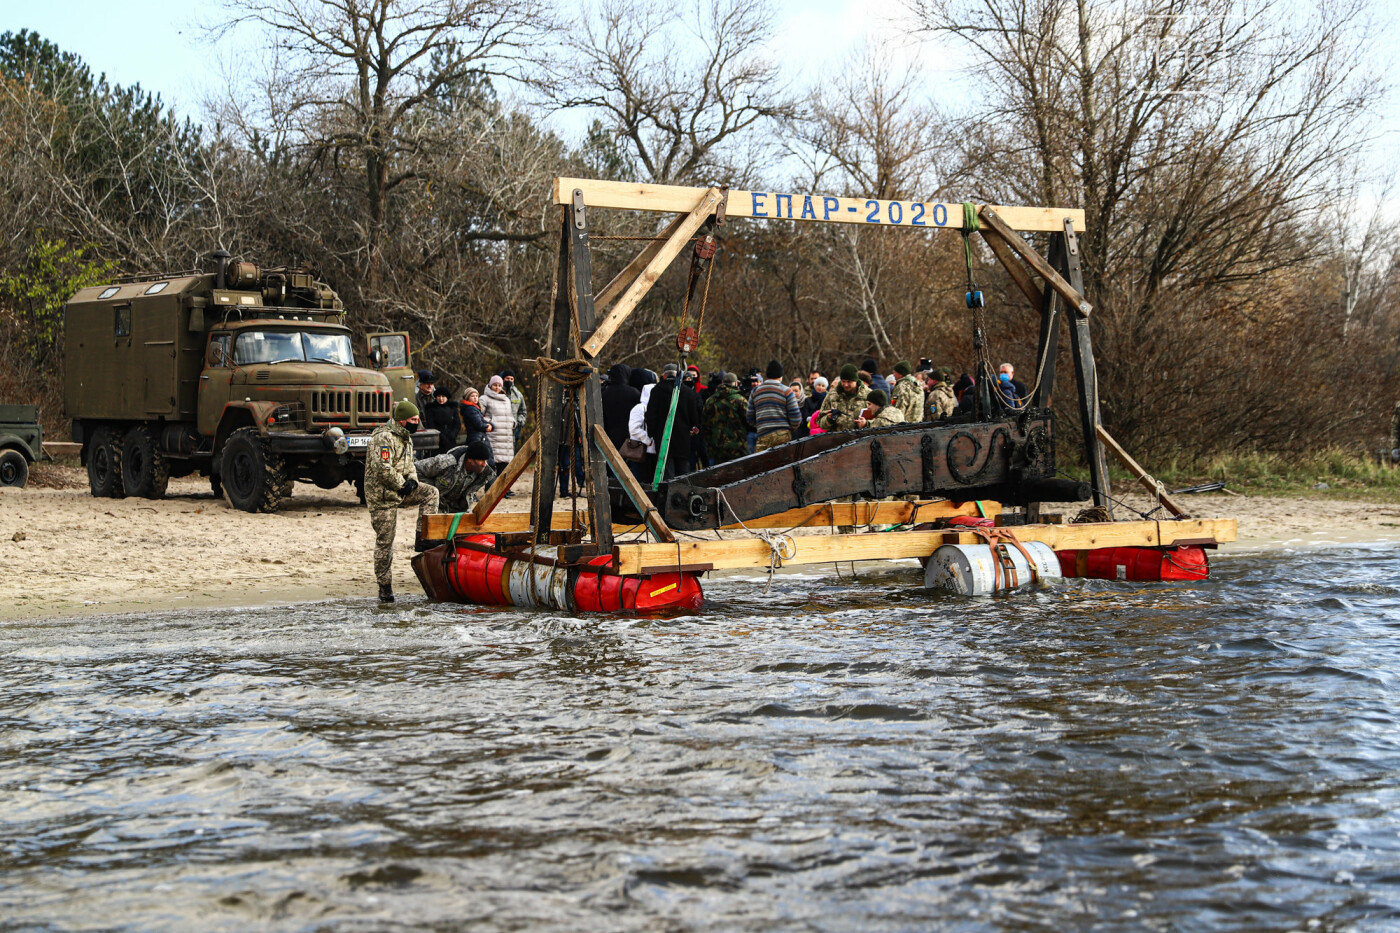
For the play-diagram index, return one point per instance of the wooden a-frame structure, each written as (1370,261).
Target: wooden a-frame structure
(583,322)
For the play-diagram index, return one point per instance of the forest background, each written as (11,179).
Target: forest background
(1238,251)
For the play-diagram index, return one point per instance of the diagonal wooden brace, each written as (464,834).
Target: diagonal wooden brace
(1148,481)
(640,500)
(663,257)
(1013,266)
(1036,262)
(513,471)
(634,268)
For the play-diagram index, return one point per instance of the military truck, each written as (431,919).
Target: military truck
(21,443)
(242,374)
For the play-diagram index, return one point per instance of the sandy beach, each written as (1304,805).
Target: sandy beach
(67,553)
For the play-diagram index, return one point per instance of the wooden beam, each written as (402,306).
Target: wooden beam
(1148,482)
(435,527)
(821,549)
(869,513)
(1013,266)
(1035,260)
(497,490)
(640,500)
(635,267)
(668,251)
(818,208)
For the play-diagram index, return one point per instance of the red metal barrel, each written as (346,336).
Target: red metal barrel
(1136,563)
(608,592)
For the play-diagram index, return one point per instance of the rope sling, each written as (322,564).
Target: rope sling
(687,338)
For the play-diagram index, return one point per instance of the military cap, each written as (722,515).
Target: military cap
(877,397)
(478,450)
(405,410)
(731,379)
(849,372)
(903,368)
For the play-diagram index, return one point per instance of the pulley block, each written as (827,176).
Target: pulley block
(687,340)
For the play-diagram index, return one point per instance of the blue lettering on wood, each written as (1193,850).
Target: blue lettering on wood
(807,210)
(759,197)
(829,204)
(940,214)
(778,205)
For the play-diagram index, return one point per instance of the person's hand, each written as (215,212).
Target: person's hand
(694,430)
(860,422)
(409,487)
(490,428)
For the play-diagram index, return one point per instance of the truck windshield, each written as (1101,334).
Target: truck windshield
(281,346)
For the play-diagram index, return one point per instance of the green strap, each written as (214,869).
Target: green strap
(970,225)
(665,446)
(456,520)
(980,511)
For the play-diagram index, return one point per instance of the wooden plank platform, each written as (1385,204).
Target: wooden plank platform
(821,549)
(771,205)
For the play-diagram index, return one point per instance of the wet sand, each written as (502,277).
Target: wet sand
(66,553)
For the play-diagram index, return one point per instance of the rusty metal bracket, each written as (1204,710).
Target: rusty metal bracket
(722,206)
(580,217)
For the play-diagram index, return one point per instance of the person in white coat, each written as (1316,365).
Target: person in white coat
(496,407)
(637,431)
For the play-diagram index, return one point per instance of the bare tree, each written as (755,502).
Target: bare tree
(682,83)
(357,73)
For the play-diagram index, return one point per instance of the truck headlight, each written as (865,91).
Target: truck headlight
(337,440)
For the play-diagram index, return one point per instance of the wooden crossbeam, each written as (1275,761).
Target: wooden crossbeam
(812,208)
(640,500)
(821,549)
(1142,476)
(991,218)
(870,513)
(618,313)
(435,527)
(514,470)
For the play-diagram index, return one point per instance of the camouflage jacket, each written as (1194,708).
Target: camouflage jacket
(388,462)
(941,402)
(885,417)
(839,410)
(458,487)
(725,424)
(909,398)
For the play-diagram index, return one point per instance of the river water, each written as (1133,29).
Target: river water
(820,756)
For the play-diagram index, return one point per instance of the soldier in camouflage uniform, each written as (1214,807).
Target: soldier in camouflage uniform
(879,413)
(460,476)
(908,393)
(725,421)
(942,401)
(844,402)
(391,482)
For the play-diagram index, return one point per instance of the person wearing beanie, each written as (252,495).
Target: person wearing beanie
(685,426)
(879,413)
(844,402)
(877,381)
(908,394)
(940,402)
(500,414)
(724,421)
(391,483)
(773,412)
(460,476)
(442,416)
(813,403)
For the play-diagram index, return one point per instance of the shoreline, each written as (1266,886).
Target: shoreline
(74,556)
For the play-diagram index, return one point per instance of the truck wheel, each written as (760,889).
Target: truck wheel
(144,470)
(217,485)
(14,469)
(105,464)
(287,488)
(252,474)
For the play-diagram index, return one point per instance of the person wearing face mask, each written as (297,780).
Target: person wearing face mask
(517,402)
(391,483)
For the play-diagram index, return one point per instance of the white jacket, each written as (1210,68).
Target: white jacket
(500,414)
(637,421)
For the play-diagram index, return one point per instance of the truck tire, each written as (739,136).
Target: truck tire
(287,488)
(144,470)
(252,475)
(14,469)
(105,464)
(217,485)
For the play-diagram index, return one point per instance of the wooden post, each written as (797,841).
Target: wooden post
(600,512)
(552,411)
(1037,262)
(640,500)
(1087,376)
(1149,482)
(1049,345)
(663,257)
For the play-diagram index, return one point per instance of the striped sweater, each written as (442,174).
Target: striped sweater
(773,407)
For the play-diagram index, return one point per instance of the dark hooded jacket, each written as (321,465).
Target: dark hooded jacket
(619,398)
(687,416)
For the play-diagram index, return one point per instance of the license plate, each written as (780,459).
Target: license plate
(358,440)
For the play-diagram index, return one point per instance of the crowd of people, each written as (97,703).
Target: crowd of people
(698,422)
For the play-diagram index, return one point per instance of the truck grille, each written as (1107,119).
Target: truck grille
(375,406)
(330,403)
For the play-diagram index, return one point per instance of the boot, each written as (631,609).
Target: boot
(386,592)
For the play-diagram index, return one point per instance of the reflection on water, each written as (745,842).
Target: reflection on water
(821,756)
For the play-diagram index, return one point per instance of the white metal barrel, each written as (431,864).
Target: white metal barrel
(967,569)
(537,586)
